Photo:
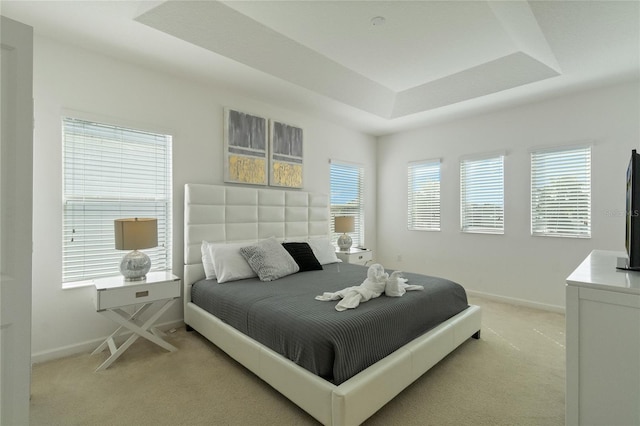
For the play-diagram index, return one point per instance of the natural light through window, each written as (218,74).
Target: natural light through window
(482,194)
(561,192)
(112,172)
(423,195)
(347,181)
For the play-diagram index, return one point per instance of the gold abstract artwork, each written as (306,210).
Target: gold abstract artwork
(248,169)
(286,174)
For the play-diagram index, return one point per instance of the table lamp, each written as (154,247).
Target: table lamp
(344,224)
(135,234)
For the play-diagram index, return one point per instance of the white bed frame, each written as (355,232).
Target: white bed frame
(234,214)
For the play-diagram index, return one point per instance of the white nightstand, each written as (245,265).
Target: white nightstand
(114,293)
(358,256)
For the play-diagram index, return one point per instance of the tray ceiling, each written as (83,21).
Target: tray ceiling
(427,60)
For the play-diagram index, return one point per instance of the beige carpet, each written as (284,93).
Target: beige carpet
(513,375)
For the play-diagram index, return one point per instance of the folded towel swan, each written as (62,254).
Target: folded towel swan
(397,285)
(377,282)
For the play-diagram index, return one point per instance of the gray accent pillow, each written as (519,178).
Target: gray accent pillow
(269,260)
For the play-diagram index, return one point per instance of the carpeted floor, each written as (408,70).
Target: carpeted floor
(513,375)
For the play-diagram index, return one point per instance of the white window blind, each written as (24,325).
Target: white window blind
(109,173)
(347,181)
(424,195)
(482,195)
(561,192)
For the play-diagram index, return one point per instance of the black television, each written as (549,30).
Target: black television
(632,234)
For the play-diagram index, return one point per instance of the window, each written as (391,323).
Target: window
(561,192)
(109,173)
(424,195)
(346,198)
(482,195)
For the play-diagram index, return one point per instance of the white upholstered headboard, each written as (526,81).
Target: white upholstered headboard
(218,213)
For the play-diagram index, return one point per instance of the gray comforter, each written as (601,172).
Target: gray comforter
(284,316)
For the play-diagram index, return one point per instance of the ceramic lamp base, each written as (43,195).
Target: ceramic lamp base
(344,242)
(135,265)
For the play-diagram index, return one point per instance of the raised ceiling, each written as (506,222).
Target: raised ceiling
(416,61)
(428,60)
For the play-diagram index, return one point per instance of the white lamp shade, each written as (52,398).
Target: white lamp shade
(136,233)
(344,224)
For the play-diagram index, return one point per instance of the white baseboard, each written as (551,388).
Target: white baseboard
(89,345)
(520,302)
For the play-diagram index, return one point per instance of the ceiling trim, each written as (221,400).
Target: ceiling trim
(219,28)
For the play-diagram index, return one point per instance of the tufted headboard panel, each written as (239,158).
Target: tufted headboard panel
(218,213)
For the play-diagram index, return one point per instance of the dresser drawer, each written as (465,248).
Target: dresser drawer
(134,294)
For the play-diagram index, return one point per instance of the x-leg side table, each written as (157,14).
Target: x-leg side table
(112,294)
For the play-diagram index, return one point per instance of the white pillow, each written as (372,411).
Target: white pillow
(269,260)
(229,263)
(324,251)
(207,261)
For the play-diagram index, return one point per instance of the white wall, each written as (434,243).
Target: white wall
(67,78)
(514,265)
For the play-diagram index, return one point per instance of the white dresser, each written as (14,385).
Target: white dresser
(603,343)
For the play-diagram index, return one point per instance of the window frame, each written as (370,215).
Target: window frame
(357,211)
(88,211)
(484,191)
(424,169)
(535,168)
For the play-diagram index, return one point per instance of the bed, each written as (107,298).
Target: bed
(229,214)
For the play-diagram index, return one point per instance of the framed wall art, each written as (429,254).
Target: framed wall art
(245,148)
(286,156)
